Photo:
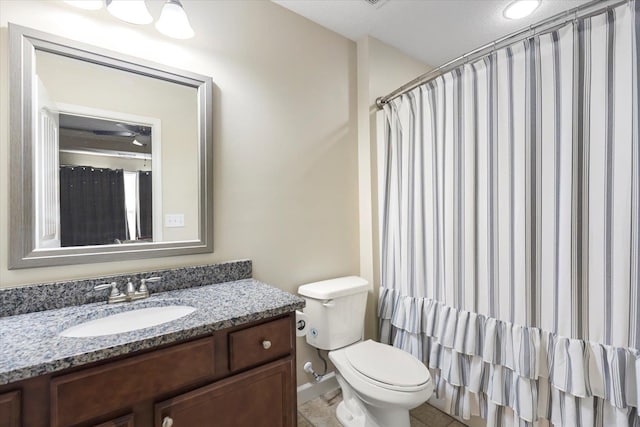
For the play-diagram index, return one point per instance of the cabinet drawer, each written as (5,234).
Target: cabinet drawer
(93,392)
(260,344)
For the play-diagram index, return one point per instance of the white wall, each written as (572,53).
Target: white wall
(285,149)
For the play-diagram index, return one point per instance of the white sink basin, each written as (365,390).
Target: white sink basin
(128,321)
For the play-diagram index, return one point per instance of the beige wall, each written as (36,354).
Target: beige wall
(285,150)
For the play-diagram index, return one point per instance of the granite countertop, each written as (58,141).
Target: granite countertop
(30,344)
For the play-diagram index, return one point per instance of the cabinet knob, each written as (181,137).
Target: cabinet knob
(266,344)
(167,422)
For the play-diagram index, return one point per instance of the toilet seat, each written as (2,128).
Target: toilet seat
(387,367)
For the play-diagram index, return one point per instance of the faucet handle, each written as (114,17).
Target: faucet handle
(113,285)
(130,287)
(143,283)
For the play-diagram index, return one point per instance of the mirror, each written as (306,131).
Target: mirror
(110,155)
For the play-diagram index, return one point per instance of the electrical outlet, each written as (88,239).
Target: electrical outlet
(174,220)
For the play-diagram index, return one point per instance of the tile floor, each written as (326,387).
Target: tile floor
(321,412)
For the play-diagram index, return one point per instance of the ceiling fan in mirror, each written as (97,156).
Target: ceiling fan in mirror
(79,132)
(141,134)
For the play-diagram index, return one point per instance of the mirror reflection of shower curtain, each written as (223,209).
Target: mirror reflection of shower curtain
(138,205)
(91,206)
(131,202)
(145,205)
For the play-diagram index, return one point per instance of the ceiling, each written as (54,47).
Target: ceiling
(433,31)
(82,133)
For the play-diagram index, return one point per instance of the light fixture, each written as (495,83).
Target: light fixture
(173,21)
(138,143)
(132,11)
(86,4)
(520,8)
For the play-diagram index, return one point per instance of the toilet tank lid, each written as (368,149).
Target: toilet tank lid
(334,288)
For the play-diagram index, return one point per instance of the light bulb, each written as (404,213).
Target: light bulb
(520,8)
(132,11)
(173,21)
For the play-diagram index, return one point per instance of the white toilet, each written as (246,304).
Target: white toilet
(380,383)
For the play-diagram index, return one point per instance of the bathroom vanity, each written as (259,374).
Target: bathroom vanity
(229,363)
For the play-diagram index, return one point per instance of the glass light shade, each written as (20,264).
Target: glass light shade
(173,21)
(86,4)
(132,11)
(521,8)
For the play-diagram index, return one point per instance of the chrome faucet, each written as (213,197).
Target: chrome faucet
(131,293)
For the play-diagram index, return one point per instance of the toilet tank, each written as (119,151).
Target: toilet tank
(335,310)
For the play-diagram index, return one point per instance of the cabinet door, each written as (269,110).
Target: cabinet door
(10,409)
(262,397)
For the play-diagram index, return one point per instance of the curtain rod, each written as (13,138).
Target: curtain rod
(583,11)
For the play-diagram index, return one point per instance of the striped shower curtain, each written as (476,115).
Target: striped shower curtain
(509,206)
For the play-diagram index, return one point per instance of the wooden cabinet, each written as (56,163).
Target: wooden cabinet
(241,376)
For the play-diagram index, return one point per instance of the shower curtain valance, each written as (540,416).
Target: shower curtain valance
(509,206)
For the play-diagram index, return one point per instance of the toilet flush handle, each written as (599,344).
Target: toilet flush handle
(329,303)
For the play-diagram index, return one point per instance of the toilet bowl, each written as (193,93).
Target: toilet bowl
(379,383)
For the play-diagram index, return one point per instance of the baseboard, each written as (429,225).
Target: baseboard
(309,391)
